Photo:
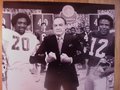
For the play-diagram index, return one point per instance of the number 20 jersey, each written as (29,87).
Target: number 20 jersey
(99,46)
(18,47)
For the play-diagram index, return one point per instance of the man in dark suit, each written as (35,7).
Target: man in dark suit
(59,51)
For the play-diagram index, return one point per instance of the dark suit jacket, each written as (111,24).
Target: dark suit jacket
(58,72)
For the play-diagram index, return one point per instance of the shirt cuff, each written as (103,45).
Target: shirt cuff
(71,60)
(46,58)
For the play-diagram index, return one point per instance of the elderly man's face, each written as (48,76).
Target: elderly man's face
(59,26)
(21,25)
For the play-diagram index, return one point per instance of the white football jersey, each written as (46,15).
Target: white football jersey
(18,47)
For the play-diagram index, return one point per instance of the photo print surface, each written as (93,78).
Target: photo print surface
(57,46)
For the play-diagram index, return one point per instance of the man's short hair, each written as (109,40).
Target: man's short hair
(61,18)
(20,15)
(107,17)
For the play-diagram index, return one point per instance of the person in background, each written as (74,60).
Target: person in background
(73,31)
(80,35)
(42,29)
(40,34)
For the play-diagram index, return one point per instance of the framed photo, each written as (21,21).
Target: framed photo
(31,58)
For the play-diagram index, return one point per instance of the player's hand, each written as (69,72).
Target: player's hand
(32,59)
(65,59)
(50,57)
(102,60)
(107,72)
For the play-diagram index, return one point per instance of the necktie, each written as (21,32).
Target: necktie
(60,42)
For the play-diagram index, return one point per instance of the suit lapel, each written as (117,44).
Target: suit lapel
(55,43)
(65,41)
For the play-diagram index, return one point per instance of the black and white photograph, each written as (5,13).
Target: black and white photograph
(57,46)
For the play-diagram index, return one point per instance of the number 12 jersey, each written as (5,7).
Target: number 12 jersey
(99,46)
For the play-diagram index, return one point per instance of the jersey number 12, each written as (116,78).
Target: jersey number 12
(98,52)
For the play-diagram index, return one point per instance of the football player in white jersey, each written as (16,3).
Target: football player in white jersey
(19,45)
(101,55)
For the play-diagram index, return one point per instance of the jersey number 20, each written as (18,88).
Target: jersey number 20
(24,41)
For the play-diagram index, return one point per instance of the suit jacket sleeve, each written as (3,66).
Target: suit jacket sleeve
(39,57)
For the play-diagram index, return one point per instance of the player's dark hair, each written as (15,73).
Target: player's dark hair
(107,17)
(61,18)
(20,15)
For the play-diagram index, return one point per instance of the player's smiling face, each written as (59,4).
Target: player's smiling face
(21,25)
(59,26)
(104,26)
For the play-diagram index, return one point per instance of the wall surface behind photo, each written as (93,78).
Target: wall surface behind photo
(117,33)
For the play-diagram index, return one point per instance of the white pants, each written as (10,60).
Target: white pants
(93,81)
(21,79)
